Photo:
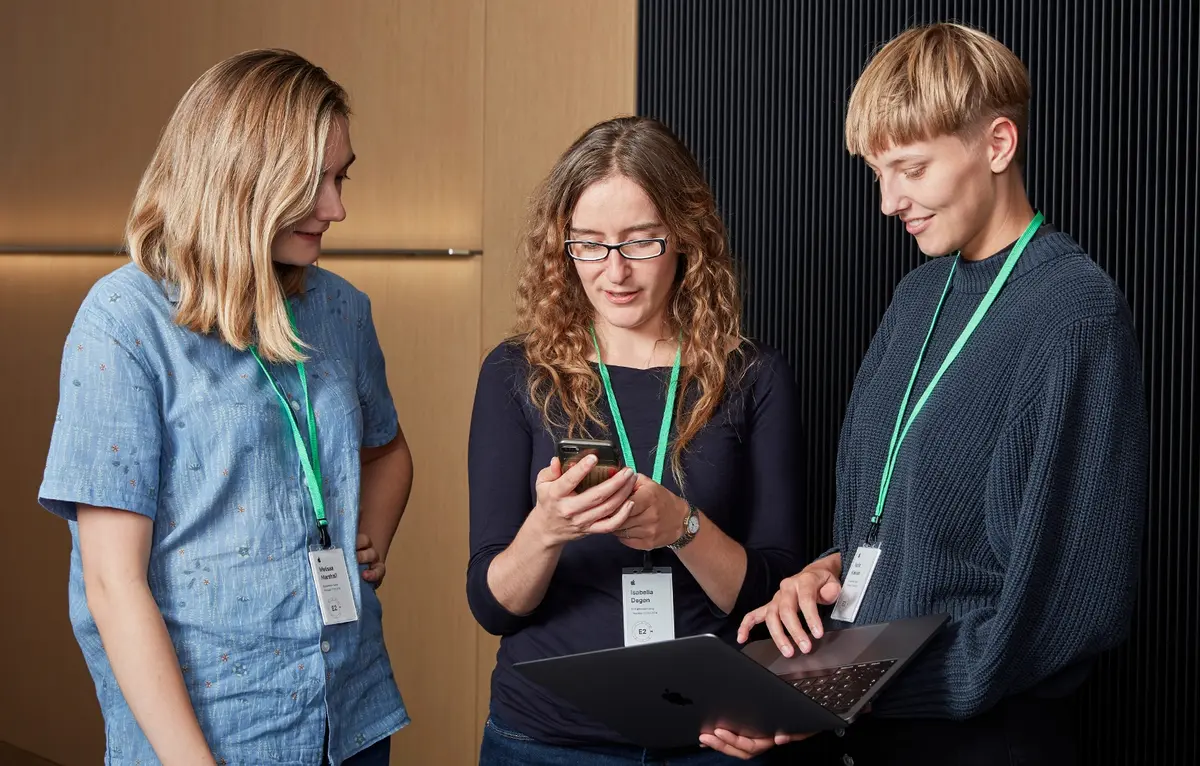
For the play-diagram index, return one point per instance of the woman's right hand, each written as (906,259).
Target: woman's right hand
(564,516)
(817,583)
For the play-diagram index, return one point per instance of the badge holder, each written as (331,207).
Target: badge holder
(648,603)
(332,581)
(858,578)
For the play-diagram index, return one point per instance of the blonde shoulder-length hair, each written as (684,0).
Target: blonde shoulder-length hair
(240,160)
(704,307)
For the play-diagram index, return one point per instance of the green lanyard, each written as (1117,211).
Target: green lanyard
(897,434)
(310,456)
(664,430)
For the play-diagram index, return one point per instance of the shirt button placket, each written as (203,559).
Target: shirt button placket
(326,648)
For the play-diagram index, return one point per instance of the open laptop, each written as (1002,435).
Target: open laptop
(663,695)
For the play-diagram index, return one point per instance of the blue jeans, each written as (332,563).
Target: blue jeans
(504,747)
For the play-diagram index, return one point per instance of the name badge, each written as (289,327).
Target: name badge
(856,582)
(334,591)
(649,605)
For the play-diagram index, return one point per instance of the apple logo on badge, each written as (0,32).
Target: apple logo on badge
(675,698)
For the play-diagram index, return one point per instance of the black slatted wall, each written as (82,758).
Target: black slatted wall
(758,90)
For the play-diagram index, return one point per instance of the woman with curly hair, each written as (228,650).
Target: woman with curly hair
(629,331)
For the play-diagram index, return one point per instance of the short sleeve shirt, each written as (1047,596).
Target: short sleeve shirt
(186,430)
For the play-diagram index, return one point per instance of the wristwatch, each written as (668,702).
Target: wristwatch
(691,525)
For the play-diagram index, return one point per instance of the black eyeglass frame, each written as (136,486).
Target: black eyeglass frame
(662,248)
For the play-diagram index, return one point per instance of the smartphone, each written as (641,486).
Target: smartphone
(571,451)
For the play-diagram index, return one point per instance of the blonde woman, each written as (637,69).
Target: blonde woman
(226,450)
(627,295)
(1004,485)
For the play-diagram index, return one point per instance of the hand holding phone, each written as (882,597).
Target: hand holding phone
(566,510)
(608,460)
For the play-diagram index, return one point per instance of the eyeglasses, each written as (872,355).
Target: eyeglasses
(633,250)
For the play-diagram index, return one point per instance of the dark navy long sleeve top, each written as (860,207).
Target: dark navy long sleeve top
(741,471)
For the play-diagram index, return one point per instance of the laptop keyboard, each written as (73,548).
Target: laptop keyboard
(838,689)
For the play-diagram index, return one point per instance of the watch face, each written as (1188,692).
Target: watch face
(693,524)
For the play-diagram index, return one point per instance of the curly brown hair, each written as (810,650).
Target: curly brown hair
(704,308)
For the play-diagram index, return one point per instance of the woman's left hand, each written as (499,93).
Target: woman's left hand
(731,743)
(376,566)
(657,518)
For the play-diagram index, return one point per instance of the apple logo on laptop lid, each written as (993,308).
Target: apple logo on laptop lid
(675,698)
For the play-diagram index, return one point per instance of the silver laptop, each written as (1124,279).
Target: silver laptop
(665,694)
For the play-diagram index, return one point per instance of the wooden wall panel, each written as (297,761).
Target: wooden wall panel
(99,80)
(540,94)
(47,699)
(552,70)
(427,316)
(11,756)
(97,83)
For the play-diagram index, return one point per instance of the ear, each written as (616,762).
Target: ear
(1002,140)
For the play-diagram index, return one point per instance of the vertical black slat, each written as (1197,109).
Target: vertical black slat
(1161,275)
(758,89)
(1167,148)
(1189,27)
(1145,271)
(1189,34)
(1114,92)
(1172,244)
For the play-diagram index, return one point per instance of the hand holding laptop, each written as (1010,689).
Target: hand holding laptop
(735,745)
(817,583)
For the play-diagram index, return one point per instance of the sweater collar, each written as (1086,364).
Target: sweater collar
(1046,245)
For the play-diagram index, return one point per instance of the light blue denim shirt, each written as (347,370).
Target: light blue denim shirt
(186,430)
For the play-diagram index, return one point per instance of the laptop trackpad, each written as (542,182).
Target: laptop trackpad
(834,649)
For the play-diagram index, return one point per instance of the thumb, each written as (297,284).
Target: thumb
(550,473)
(829,591)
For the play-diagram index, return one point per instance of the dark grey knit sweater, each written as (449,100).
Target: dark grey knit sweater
(1017,500)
